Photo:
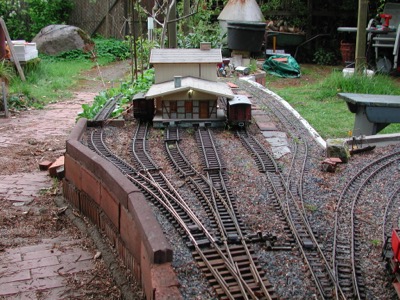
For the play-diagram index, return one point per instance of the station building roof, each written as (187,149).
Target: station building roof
(239,99)
(169,56)
(187,83)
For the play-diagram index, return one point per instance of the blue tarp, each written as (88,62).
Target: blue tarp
(287,69)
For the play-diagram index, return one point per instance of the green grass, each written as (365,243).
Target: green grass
(49,81)
(51,78)
(319,104)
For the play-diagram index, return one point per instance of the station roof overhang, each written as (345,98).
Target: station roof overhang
(219,89)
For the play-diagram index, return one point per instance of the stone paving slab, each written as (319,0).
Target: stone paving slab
(26,272)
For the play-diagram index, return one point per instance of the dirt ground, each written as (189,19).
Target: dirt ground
(28,138)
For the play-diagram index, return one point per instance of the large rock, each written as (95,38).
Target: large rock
(55,39)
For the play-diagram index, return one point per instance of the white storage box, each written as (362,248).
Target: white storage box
(25,51)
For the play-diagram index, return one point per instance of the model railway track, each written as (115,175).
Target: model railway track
(141,157)
(210,191)
(347,228)
(228,270)
(389,218)
(232,272)
(207,147)
(295,217)
(103,115)
(264,160)
(309,247)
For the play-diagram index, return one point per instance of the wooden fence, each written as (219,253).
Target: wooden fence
(108,18)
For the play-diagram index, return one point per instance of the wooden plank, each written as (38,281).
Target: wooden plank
(12,50)
(3,87)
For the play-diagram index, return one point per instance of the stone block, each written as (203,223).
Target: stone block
(155,243)
(337,148)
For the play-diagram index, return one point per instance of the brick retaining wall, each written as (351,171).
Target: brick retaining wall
(117,207)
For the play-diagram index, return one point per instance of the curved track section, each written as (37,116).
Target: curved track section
(347,228)
(141,157)
(264,160)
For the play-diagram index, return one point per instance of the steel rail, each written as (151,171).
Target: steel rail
(342,213)
(164,198)
(139,146)
(356,197)
(395,194)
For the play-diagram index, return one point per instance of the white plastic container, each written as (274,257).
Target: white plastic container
(348,72)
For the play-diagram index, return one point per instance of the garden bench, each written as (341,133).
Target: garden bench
(372,112)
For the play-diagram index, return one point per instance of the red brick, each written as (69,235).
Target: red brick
(73,171)
(155,243)
(165,283)
(121,186)
(11,258)
(78,130)
(44,165)
(91,185)
(110,206)
(55,165)
(129,233)
(41,254)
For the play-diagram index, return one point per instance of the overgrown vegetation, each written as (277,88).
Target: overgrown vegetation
(127,90)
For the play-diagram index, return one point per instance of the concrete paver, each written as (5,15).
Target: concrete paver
(44,267)
(24,187)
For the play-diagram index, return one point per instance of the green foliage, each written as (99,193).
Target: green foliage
(6,70)
(128,90)
(325,57)
(143,49)
(49,78)
(378,84)
(46,12)
(47,82)
(202,29)
(110,50)
(106,51)
(24,19)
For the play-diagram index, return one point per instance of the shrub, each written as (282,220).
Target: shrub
(24,19)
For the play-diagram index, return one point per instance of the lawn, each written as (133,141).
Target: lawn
(314,96)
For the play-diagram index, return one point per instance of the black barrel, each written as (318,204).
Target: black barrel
(246,36)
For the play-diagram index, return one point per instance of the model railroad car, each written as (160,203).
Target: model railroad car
(239,111)
(391,254)
(143,109)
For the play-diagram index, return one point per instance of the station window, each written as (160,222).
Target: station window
(173,107)
(188,107)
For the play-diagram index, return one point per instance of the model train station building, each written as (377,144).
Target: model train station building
(186,90)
